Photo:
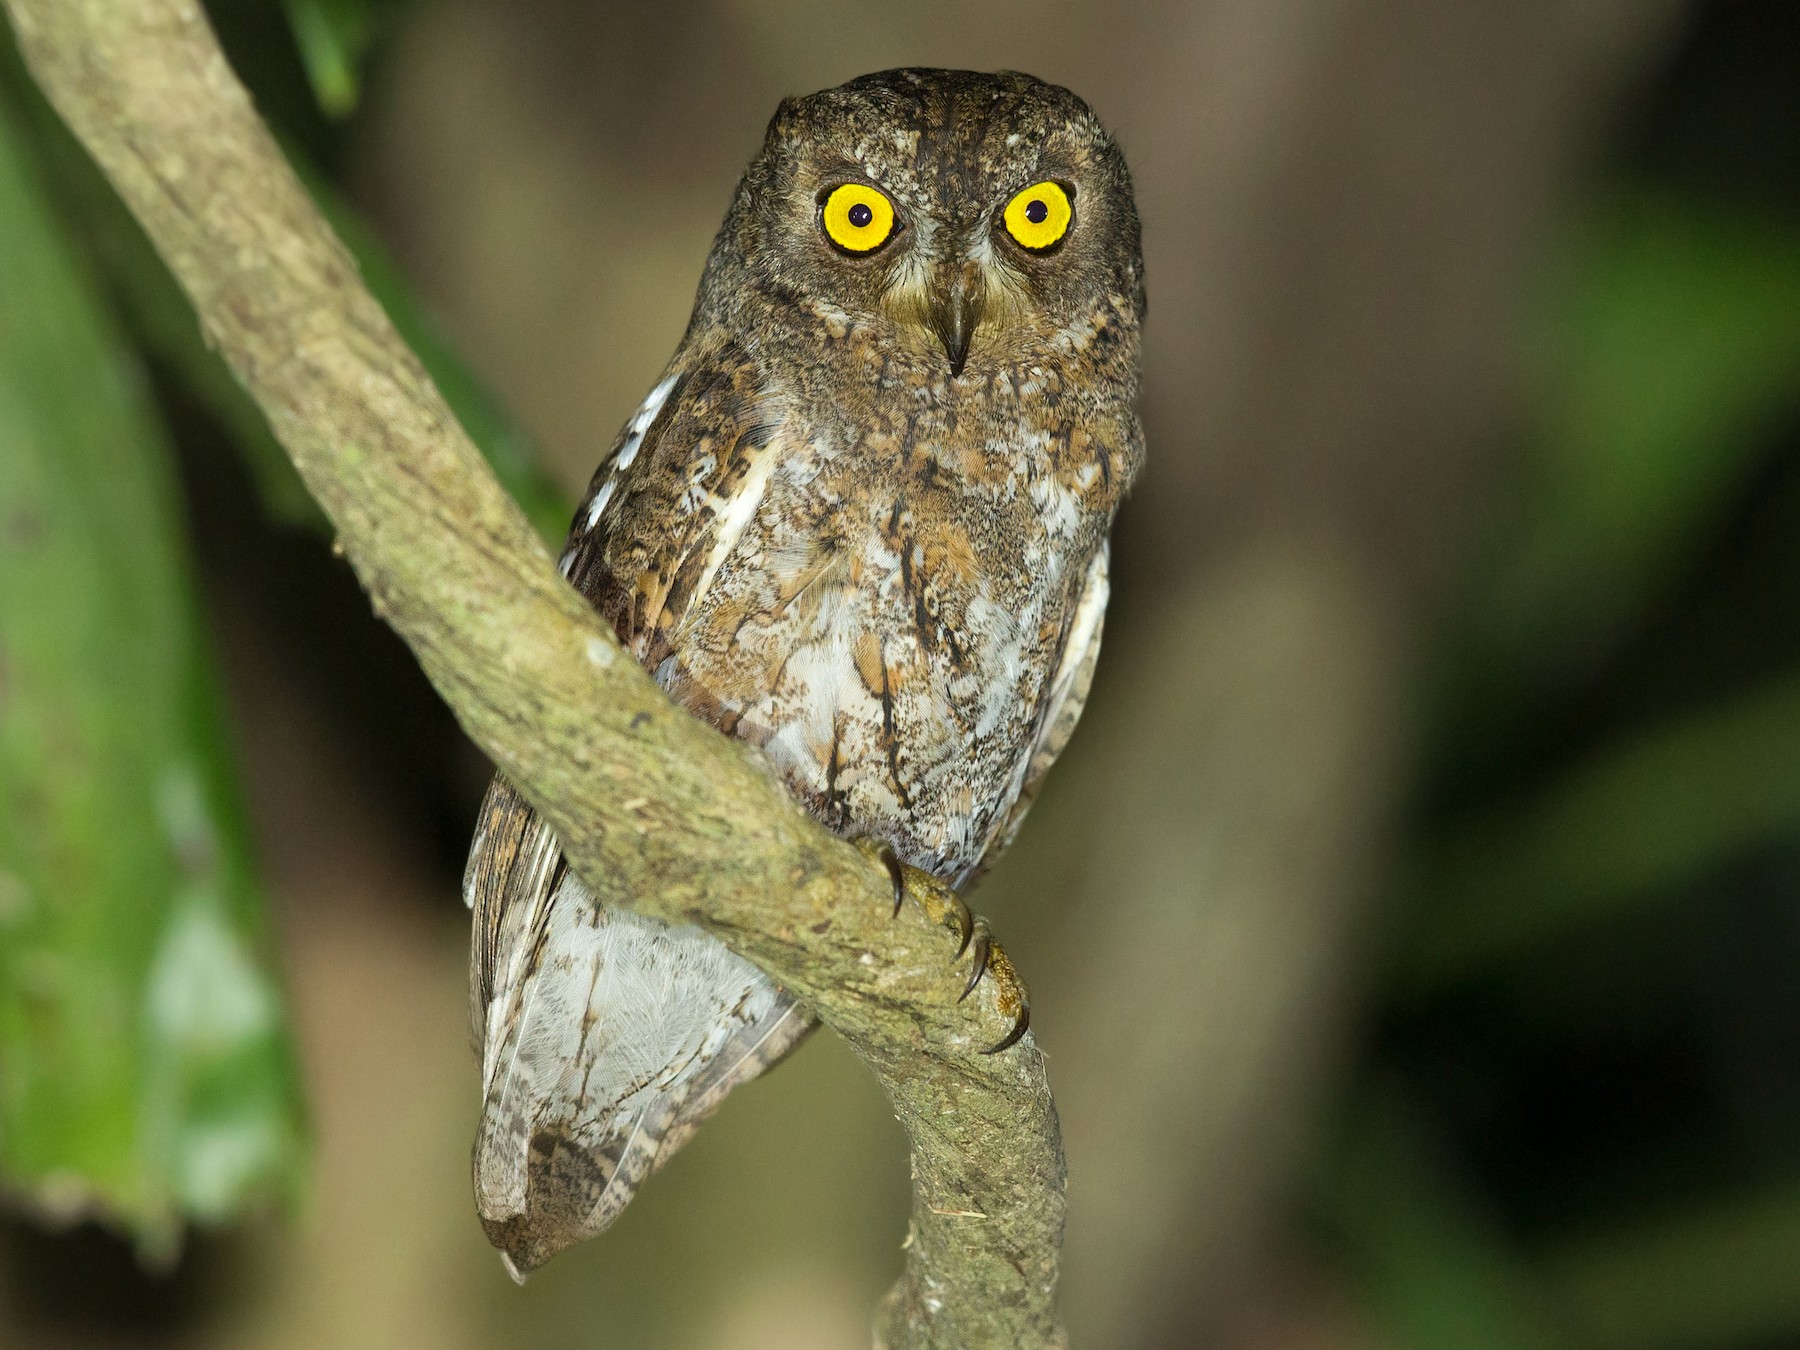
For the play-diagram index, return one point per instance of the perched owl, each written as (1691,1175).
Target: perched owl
(861,522)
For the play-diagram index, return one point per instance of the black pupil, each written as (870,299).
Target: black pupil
(1036,212)
(861,215)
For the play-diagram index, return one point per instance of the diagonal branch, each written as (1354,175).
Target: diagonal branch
(654,808)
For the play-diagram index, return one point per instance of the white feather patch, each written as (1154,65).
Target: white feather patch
(635,431)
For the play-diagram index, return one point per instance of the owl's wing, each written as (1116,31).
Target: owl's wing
(668,506)
(1066,696)
(604,1037)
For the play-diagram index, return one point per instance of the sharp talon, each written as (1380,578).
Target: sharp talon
(1020,1027)
(891,861)
(982,943)
(965,926)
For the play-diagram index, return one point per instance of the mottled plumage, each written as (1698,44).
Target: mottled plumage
(861,523)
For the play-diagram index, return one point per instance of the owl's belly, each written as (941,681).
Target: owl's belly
(899,696)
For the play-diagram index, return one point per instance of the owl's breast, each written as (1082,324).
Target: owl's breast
(885,627)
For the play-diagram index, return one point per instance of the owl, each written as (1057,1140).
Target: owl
(861,522)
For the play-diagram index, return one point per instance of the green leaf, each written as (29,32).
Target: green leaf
(145,1071)
(333,37)
(150,303)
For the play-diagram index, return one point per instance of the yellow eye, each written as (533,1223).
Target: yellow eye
(858,218)
(1039,216)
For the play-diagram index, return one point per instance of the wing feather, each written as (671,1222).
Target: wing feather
(605,1037)
(1065,698)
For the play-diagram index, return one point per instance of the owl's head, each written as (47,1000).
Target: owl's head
(977,219)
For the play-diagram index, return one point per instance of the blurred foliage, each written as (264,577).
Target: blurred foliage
(1576,1122)
(1719,1274)
(1629,823)
(1423,1244)
(145,1072)
(508,450)
(1672,360)
(1668,364)
(146,1075)
(160,319)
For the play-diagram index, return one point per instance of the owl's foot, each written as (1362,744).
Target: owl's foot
(960,917)
(965,924)
(896,871)
(953,910)
(978,964)
(985,958)
(990,960)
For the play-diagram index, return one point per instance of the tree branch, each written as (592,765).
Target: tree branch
(655,810)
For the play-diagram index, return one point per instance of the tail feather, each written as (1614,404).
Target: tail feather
(607,1038)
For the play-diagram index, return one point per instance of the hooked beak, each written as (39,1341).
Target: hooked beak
(957,299)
